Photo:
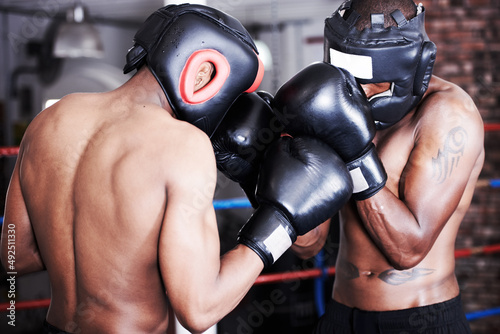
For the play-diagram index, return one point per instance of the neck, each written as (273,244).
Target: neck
(143,88)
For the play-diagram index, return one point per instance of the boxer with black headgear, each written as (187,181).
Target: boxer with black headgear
(413,144)
(120,213)
(175,40)
(401,55)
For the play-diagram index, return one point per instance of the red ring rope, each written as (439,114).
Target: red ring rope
(275,277)
(293,275)
(9,151)
(466,252)
(491,127)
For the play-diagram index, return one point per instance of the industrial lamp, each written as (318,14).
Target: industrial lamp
(76,37)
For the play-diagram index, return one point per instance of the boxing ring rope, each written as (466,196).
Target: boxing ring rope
(491,127)
(288,276)
(9,151)
(319,272)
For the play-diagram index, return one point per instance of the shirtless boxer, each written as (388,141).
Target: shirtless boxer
(112,192)
(395,266)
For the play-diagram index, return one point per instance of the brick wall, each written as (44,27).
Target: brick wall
(467,34)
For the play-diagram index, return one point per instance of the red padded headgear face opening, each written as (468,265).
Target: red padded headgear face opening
(189,72)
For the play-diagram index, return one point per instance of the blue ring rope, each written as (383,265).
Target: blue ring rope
(495,183)
(482,314)
(319,284)
(243,202)
(234,203)
(222,204)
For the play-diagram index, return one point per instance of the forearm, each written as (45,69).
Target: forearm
(243,263)
(394,229)
(212,295)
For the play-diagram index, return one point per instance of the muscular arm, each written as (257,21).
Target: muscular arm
(18,239)
(202,286)
(448,145)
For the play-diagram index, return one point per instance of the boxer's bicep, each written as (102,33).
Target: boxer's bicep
(201,285)
(189,251)
(437,172)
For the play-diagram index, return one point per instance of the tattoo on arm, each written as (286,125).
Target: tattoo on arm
(398,277)
(449,156)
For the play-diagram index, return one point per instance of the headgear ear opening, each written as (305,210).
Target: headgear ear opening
(188,74)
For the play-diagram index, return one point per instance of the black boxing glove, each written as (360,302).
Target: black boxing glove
(326,102)
(241,139)
(302,183)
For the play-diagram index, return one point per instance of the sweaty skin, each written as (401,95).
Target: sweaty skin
(112,195)
(397,247)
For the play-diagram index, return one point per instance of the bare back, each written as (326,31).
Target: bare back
(97,200)
(113,196)
(397,249)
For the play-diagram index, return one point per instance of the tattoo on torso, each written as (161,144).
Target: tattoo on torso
(349,270)
(398,277)
(449,156)
(391,276)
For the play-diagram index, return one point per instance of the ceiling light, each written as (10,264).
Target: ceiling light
(76,37)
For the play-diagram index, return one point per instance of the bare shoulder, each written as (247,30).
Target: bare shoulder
(61,117)
(448,105)
(76,99)
(448,121)
(191,148)
(190,140)
(446,108)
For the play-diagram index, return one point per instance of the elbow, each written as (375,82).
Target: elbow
(305,253)
(410,253)
(22,264)
(310,244)
(407,260)
(195,322)
(4,259)
(405,264)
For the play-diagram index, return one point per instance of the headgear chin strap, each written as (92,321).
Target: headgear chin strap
(402,55)
(176,39)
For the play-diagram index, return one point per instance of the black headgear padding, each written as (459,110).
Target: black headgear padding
(402,55)
(176,39)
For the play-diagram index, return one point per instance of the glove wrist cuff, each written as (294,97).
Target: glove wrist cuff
(268,233)
(368,174)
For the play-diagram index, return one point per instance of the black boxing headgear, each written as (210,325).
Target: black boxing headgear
(402,55)
(176,39)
